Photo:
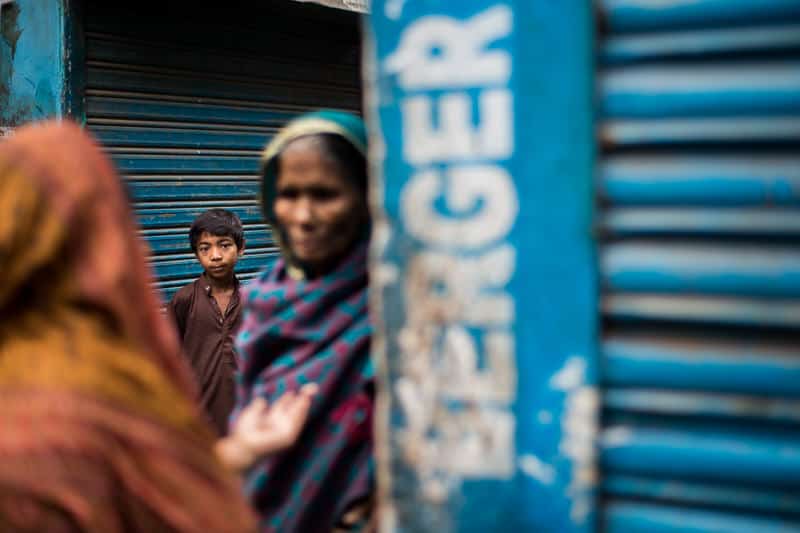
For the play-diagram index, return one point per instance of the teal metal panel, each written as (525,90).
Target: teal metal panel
(734,497)
(184,100)
(698,227)
(712,365)
(638,15)
(32,61)
(636,517)
(484,288)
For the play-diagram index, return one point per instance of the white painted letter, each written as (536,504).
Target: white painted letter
(456,137)
(484,194)
(440,52)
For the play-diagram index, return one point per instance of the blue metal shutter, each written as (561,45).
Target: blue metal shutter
(184,98)
(699,190)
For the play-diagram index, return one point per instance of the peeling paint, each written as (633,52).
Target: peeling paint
(579,432)
(31,61)
(570,376)
(537,469)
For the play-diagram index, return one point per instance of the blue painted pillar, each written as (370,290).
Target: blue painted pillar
(34,81)
(483,265)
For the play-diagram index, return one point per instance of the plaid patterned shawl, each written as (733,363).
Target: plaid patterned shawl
(296,332)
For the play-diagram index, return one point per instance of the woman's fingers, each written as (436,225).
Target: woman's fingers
(255,407)
(284,401)
(289,399)
(309,389)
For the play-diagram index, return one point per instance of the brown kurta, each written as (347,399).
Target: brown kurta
(207,336)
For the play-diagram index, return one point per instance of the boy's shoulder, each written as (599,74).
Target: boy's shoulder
(185,293)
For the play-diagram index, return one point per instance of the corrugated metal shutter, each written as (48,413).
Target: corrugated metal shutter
(185,97)
(699,184)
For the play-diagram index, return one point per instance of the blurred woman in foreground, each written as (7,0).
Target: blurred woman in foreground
(305,320)
(98,428)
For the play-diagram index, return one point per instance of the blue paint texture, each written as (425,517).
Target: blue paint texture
(550,484)
(638,15)
(32,53)
(627,517)
(664,363)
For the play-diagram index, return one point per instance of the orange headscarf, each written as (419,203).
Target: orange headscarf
(98,430)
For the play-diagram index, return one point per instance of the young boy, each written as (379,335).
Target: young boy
(207,311)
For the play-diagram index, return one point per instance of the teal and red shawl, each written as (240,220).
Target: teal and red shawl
(297,332)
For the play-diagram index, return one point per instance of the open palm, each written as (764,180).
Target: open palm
(264,429)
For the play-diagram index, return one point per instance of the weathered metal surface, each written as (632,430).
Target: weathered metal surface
(185,117)
(702,404)
(74,60)
(708,89)
(31,61)
(684,44)
(725,268)
(640,15)
(730,179)
(636,517)
(712,451)
(272,64)
(732,311)
(740,366)
(700,221)
(127,134)
(692,493)
(700,104)
(360,6)
(482,154)
(208,112)
(661,132)
(236,189)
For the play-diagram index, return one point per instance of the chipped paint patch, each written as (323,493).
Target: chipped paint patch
(570,376)
(537,469)
(579,432)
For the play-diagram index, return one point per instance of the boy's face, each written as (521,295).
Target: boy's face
(217,255)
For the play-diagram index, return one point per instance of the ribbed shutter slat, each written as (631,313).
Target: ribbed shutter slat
(184,100)
(698,185)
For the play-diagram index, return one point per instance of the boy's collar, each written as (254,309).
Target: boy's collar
(206,284)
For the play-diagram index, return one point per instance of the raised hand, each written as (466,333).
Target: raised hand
(263,429)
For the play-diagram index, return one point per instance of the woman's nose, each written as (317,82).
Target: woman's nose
(303,211)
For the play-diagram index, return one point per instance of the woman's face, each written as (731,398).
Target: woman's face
(320,211)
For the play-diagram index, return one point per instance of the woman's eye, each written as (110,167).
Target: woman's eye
(324,194)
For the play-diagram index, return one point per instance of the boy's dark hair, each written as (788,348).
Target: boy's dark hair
(217,222)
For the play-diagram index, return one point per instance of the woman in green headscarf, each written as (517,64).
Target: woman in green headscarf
(305,320)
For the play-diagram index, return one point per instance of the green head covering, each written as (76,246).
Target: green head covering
(348,126)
